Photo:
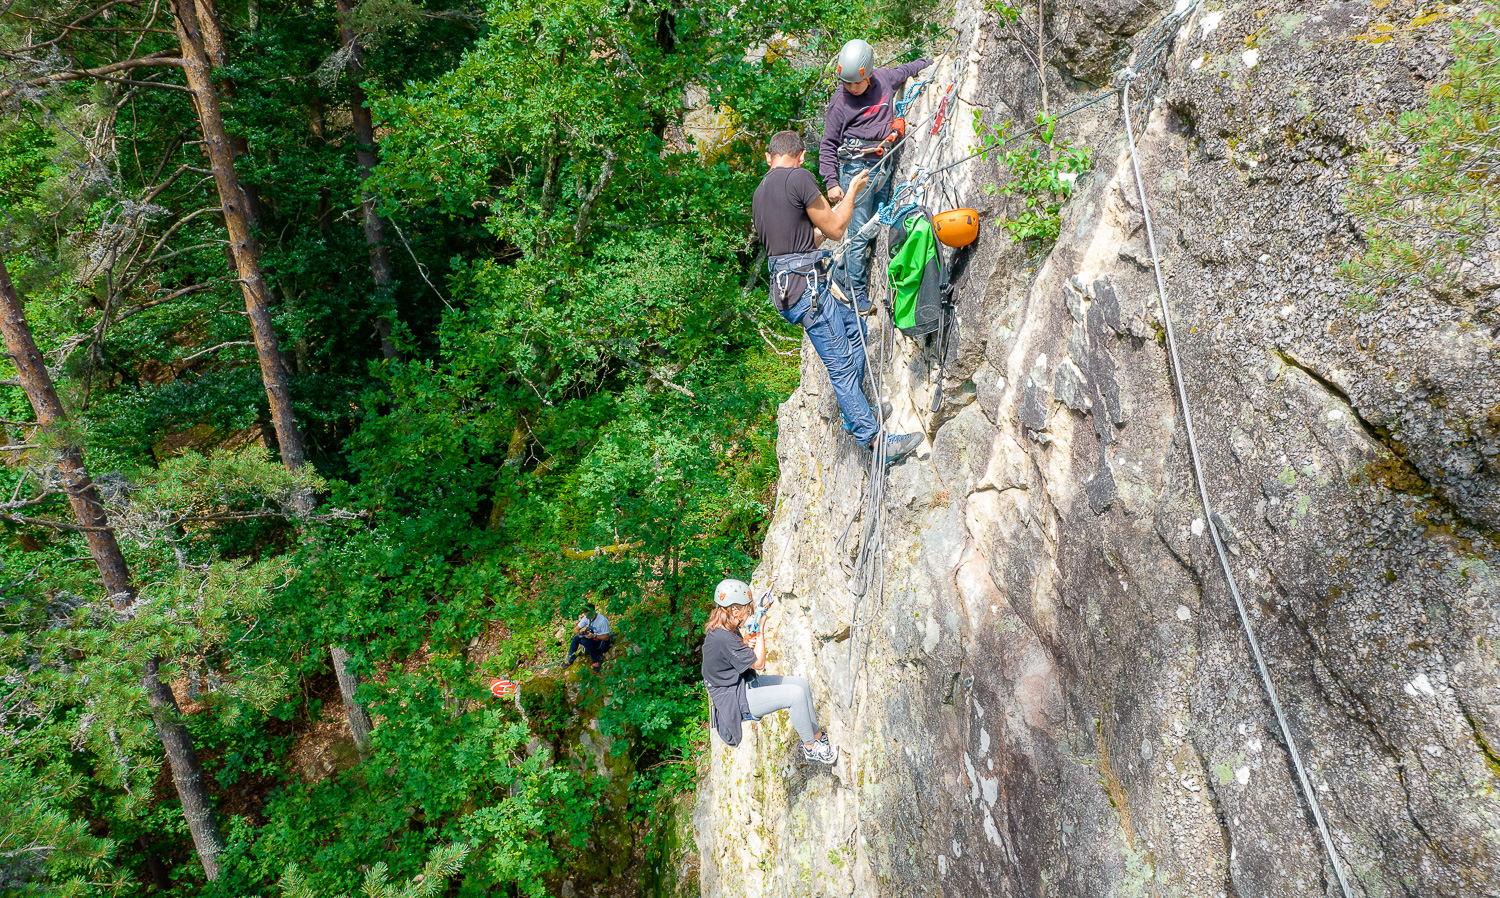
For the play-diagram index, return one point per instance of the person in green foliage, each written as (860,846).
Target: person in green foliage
(591,633)
(789,211)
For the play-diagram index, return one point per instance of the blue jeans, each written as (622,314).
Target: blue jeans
(857,255)
(595,648)
(836,338)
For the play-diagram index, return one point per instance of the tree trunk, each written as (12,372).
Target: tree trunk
(105,549)
(187,773)
(359,719)
(50,415)
(246,253)
(364,154)
(213,34)
(154,866)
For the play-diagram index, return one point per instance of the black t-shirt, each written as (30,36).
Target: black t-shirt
(728,664)
(726,658)
(780,210)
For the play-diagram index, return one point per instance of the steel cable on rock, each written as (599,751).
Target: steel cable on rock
(1223,556)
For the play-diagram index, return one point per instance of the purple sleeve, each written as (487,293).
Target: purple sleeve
(911,68)
(833,132)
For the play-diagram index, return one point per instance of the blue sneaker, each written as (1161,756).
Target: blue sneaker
(900,445)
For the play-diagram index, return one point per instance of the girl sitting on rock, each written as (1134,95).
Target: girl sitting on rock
(731,664)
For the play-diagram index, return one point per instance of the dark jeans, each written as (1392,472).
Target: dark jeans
(595,648)
(857,254)
(835,336)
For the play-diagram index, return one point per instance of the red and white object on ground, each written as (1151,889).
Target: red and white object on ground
(500,688)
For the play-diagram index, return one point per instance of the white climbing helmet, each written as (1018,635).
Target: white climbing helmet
(856,61)
(731,592)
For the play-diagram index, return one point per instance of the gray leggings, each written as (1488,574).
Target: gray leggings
(769,693)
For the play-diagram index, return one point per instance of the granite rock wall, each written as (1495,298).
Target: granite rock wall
(1048,690)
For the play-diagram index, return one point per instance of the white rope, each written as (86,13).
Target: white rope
(1187,420)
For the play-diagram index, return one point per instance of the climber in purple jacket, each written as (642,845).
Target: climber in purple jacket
(859,120)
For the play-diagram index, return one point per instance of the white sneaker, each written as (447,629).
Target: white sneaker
(822,751)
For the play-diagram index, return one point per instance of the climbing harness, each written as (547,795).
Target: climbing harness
(813,266)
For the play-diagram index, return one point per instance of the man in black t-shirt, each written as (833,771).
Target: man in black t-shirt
(791,218)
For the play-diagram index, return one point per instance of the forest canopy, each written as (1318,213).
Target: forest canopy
(338,335)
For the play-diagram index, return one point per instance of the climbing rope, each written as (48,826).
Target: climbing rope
(1187,420)
(867,572)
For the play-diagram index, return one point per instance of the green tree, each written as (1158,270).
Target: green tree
(1421,191)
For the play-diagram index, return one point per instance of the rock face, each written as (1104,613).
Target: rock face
(1047,690)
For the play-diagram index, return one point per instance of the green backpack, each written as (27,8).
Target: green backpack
(917,275)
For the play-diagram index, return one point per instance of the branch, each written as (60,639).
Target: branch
(28,503)
(653,374)
(155,60)
(73,25)
(204,352)
(133,83)
(607,172)
(422,270)
(786,352)
(55,525)
(153,303)
(151,256)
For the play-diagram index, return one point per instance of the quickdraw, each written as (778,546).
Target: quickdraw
(942,108)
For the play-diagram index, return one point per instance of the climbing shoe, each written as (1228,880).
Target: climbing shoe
(900,445)
(822,751)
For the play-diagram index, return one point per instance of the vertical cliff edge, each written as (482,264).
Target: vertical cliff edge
(1050,692)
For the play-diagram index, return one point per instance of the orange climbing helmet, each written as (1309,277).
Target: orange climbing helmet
(956,227)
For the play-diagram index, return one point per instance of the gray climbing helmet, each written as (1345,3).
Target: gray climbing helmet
(731,592)
(856,61)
